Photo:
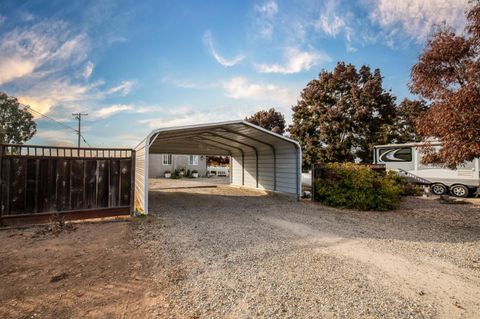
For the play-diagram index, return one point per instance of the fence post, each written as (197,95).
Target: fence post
(1,180)
(132,184)
(312,181)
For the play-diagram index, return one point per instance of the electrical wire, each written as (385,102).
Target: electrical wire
(57,122)
(83,138)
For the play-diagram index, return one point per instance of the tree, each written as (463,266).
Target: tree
(16,123)
(408,113)
(270,120)
(448,74)
(217,160)
(341,115)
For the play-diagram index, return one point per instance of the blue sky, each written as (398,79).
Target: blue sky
(137,65)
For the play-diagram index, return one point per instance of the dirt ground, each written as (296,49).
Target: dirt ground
(224,252)
(93,271)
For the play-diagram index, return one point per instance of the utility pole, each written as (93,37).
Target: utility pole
(78,116)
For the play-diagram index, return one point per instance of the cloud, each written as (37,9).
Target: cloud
(124,88)
(186,84)
(177,117)
(109,111)
(44,95)
(88,70)
(11,68)
(264,20)
(296,61)
(337,19)
(42,47)
(188,115)
(418,18)
(55,137)
(208,41)
(268,9)
(241,88)
(2,19)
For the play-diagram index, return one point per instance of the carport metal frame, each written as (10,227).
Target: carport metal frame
(150,139)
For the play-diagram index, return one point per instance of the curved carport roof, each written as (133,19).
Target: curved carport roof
(260,158)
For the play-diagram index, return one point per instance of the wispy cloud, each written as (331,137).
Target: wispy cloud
(56,137)
(88,70)
(208,41)
(124,88)
(113,109)
(296,61)
(264,18)
(43,96)
(41,47)
(335,19)
(110,110)
(2,19)
(176,116)
(417,19)
(241,88)
(187,84)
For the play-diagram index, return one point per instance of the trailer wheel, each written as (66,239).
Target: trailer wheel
(459,190)
(438,189)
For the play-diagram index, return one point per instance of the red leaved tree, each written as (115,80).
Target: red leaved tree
(448,74)
(270,120)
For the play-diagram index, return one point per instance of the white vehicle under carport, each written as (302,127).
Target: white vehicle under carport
(406,160)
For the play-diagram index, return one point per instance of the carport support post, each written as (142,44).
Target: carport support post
(231,164)
(242,143)
(243,169)
(273,153)
(256,166)
(148,144)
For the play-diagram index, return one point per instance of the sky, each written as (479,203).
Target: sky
(134,66)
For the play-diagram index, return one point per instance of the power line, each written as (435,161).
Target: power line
(78,116)
(58,122)
(51,119)
(83,138)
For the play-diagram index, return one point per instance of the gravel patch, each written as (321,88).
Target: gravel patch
(227,252)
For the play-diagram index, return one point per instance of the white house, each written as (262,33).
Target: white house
(159,163)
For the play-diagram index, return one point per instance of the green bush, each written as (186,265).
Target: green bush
(176,174)
(354,186)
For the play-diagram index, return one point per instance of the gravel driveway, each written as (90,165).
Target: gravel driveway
(233,253)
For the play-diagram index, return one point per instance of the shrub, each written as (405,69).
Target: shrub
(354,186)
(194,171)
(176,174)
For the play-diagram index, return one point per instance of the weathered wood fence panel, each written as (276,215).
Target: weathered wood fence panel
(38,180)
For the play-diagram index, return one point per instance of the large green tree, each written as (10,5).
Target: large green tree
(448,75)
(16,123)
(341,115)
(270,120)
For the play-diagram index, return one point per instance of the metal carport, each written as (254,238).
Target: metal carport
(260,158)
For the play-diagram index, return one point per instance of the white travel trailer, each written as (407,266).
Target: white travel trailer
(406,160)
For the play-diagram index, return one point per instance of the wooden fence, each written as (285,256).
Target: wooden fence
(86,182)
(320,171)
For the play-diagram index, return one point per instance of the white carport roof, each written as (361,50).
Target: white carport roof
(221,138)
(213,138)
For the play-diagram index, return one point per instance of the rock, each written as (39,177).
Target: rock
(59,277)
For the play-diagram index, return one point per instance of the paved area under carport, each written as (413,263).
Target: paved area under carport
(238,253)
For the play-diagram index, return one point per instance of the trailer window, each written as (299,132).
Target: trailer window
(387,155)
